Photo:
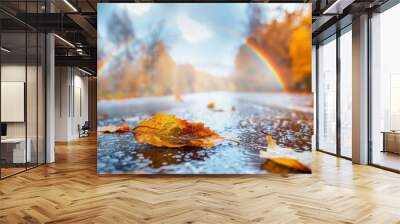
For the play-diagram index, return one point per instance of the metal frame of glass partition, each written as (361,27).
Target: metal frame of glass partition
(337,34)
(42,117)
(382,8)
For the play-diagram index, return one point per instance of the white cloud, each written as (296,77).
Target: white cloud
(192,31)
(136,8)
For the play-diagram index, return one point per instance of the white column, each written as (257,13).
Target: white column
(360,90)
(50,99)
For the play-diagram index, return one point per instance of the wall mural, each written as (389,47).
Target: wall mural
(216,88)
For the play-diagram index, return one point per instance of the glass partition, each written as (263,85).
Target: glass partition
(22,88)
(346,93)
(327,96)
(385,89)
(13,94)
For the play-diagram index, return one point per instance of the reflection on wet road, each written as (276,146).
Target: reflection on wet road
(288,118)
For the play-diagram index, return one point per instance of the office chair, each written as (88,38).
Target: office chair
(84,130)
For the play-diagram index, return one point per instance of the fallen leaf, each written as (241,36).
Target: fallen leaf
(114,129)
(276,163)
(272,167)
(271,143)
(284,166)
(211,105)
(293,164)
(164,130)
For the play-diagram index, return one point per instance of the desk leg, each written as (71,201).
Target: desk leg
(384,143)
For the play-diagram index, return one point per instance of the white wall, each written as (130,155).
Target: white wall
(62,81)
(71,102)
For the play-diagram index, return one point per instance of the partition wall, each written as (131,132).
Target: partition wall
(22,77)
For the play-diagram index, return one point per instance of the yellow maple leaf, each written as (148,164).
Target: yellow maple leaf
(284,165)
(293,164)
(165,130)
(277,163)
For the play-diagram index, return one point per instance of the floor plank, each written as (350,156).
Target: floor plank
(70,191)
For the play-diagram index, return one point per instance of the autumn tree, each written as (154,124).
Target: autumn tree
(287,41)
(300,53)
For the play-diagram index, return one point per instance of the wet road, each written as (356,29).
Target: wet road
(288,118)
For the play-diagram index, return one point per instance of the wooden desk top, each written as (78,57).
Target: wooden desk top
(391,132)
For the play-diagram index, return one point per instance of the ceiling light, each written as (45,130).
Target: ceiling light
(5,50)
(338,6)
(70,5)
(333,6)
(65,41)
(84,71)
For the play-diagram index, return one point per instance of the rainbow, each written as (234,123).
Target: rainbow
(263,56)
(105,62)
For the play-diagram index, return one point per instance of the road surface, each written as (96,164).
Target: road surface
(244,117)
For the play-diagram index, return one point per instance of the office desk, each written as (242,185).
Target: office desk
(16,148)
(391,141)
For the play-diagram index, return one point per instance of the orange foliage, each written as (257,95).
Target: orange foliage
(300,51)
(288,41)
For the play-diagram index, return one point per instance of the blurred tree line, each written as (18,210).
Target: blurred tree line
(147,69)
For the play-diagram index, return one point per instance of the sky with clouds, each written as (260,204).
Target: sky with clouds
(206,35)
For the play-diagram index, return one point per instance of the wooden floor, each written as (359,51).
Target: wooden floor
(70,191)
(387,159)
(5,172)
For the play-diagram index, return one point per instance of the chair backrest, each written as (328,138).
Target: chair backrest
(86,125)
